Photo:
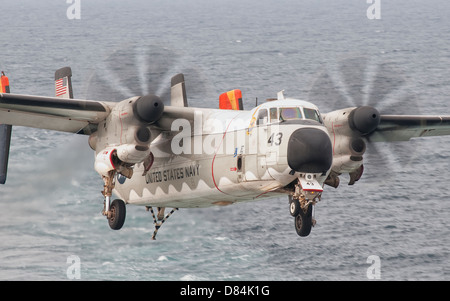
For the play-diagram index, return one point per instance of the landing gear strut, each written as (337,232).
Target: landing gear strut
(115,212)
(301,205)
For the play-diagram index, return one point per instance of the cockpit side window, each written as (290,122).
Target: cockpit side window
(262,117)
(312,114)
(290,113)
(273,114)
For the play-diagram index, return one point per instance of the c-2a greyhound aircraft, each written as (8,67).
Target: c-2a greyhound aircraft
(176,156)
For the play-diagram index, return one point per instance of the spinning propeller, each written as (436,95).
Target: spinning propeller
(376,89)
(136,70)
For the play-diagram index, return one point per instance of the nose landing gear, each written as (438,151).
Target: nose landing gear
(301,204)
(304,220)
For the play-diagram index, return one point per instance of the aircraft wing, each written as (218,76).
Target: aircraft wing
(405,127)
(72,115)
(172,113)
(67,115)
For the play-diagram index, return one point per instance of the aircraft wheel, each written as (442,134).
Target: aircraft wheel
(294,207)
(117,216)
(303,222)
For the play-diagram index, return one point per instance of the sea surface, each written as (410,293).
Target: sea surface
(395,220)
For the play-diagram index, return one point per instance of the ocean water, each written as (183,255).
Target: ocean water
(328,53)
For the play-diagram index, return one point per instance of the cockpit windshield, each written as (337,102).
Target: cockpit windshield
(290,113)
(293,113)
(312,114)
(277,114)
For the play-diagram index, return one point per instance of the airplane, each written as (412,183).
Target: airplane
(159,155)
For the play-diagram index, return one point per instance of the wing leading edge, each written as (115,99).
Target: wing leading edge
(82,116)
(405,127)
(66,115)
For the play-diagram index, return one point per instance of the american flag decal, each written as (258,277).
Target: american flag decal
(61,86)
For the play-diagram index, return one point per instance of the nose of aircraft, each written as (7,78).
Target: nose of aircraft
(310,151)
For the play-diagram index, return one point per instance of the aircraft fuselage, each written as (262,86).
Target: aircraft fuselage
(223,158)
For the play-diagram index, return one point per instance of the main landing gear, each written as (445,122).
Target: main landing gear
(116,218)
(115,212)
(301,204)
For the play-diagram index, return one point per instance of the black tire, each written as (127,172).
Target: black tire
(294,207)
(303,222)
(118,213)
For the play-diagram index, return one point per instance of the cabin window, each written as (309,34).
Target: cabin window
(262,117)
(312,114)
(273,114)
(290,113)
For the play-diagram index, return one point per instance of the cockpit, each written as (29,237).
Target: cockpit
(280,114)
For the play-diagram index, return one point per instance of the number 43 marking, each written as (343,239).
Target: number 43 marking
(275,139)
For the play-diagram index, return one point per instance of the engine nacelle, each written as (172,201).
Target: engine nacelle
(130,120)
(347,128)
(348,153)
(131,153)
(355,121)
(127,131)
